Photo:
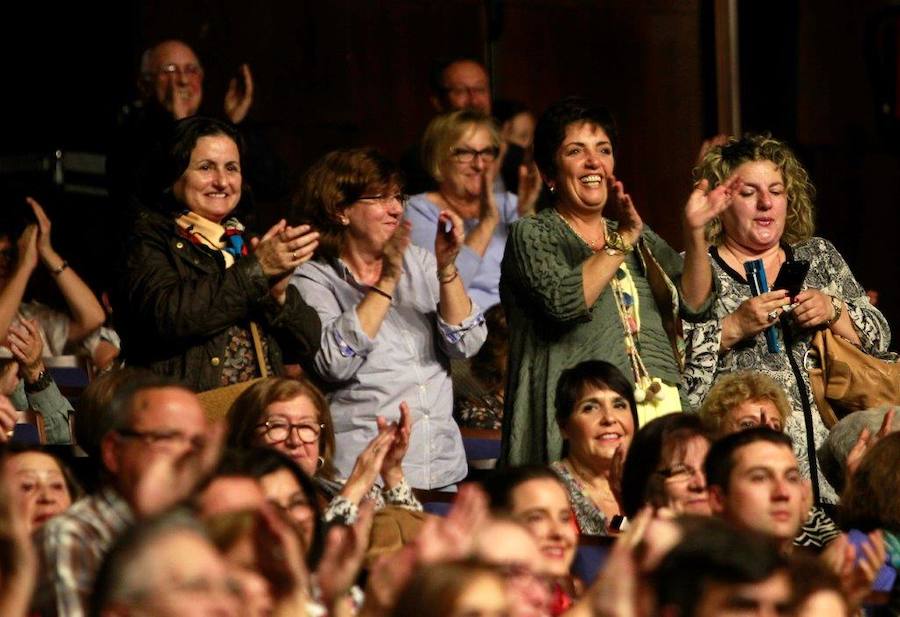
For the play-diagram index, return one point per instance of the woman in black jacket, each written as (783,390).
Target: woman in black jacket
(194,290)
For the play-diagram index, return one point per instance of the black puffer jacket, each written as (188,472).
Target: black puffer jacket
(175,301)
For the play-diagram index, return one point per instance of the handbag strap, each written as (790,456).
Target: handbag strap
(257,344)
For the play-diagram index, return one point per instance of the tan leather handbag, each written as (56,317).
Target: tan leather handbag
(845,379)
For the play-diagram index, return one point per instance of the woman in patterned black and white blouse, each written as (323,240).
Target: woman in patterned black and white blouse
(772,219)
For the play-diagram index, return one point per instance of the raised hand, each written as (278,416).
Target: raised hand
(392,466)
(27,348)
(392,256)
(28,248)
(9,378)
(623,210)
(368,465)
(342,559)
(452,537)
(530,184)
(704,205)
(488,204)
(448,243)
(178,101)
(283,248)
(865,441)
(45,249)
(280,556)
(238,99)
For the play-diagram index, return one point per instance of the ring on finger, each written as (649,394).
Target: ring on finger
(772,315)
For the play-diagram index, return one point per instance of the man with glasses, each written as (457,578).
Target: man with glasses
(155,426)
(170,86)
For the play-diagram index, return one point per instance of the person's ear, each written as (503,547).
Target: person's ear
(716,499)
(109,451)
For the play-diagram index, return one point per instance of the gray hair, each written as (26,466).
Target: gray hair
(123,575)
(833,453)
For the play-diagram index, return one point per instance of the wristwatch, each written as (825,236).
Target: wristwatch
(43,380)
(616,244)
(837,305)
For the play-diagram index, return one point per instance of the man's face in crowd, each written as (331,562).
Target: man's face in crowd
(173,71)
(766,491)
(769,598)
(466,86)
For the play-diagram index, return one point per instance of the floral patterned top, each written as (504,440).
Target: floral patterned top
(829,273)
(591,519)
(343,511)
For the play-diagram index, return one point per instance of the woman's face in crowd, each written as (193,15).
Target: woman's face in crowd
(756,218)
(543,506)
(484,596)
(283,490)
(374,218)
(38,477)
(211,184)
(464,180)
(600,424)
(685,482)
(299,442)
(584,160)
(750,414)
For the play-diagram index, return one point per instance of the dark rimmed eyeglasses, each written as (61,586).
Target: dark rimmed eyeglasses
(279,429)
(679,473)
(467,155)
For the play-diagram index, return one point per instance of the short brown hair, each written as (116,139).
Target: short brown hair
(445,130)
(334,183)
(249,410)
(735,388)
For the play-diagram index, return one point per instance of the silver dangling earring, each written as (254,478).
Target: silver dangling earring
(552,188)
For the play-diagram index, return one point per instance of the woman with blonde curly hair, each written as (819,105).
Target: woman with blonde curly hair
(743,400)
(772,219)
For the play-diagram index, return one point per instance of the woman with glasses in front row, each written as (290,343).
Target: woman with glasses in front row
(292,416)
(460,151)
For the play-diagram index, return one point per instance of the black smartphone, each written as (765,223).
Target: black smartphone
(791,276)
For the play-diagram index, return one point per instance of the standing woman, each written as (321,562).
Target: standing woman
(193,290)
(772,220)
(578,286)
(392,314)
(460,150)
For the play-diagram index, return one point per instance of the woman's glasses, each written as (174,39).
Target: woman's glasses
(279,429)
(467,155)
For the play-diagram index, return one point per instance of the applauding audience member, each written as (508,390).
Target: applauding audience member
(41,479)
(292,416)
(393,315)
(199,301)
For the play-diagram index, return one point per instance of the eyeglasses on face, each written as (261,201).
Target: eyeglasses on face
(384,198)
(467,155)
(164,439)
(171,69)
(278,429)
(679,472)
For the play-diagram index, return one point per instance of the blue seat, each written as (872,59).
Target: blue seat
(590,556)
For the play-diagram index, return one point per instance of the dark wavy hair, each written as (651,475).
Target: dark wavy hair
(551,129)
(596,373)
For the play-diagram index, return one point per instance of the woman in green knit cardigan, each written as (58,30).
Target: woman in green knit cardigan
(577,286)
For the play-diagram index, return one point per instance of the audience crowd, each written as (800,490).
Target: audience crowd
(293,421)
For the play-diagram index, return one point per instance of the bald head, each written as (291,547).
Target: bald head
(172,76)
(464,84)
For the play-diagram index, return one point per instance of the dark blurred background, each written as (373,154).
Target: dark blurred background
(819,74)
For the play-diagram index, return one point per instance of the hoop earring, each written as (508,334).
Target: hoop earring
(321,463)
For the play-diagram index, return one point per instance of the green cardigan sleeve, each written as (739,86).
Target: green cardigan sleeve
(548,271)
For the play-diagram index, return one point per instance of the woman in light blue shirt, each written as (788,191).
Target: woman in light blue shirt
(460,151)
(392,314)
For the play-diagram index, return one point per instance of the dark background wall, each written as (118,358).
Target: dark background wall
(352,72)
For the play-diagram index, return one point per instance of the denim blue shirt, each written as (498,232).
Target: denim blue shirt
(480,273)
(408,360)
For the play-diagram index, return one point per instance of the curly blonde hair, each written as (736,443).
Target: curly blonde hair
(733,389)
(720,162)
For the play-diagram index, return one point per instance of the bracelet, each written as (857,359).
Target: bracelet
(59,270)
(381,292)
(837,307)
(449,279)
